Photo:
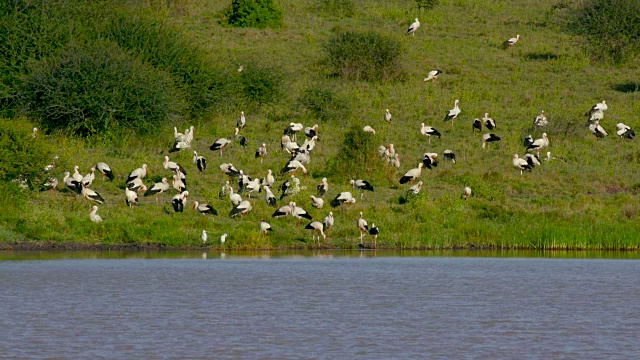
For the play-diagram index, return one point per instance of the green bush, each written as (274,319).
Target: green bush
(336,8)
(324,104)
(22,154)
(254,13)
(99,88)
(611,27)
(427,4)
(357,157)
(363,56)
(260,85)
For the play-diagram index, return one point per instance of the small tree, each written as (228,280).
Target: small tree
(254,13)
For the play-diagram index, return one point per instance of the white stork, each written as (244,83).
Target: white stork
(310,132)
(598,130)
(597,111)
(412,29)
(323,187)
(91,195)
(532,160)
(412,174)
(489,122)
(373,231)
(235,199)
(241,209)
(387,116)
(538,144)
(415,189)
(283,211)
(265,227)
(131,197)
(94,216)
(287,144)
(317,202)
(328,222)
(344,197)
(521,164)
(242,120)
(200,161)
(625,131)
(241,139)
(51,184)
(510,41)
(429,160)
(293,129)
(453,113)
(158,188)
(268,196)
(488,138)
(432,75)
(299,213)
(368,129)
(292,166)
(179,201)
(428,131)
(72,184)
(476,125)
(105,170)
(87,180)
(448,154)
(395,161)
(363,227)
(204,209)
(261,152)
(466,192)
(317,228)
(76,174)
(540,120)
(170,165)
(220,144)
(138,173)
(230,170)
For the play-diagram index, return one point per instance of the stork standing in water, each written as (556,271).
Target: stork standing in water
(413,27)
(373,231)
(453,113)
(363,227)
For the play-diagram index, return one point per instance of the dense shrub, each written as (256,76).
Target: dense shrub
(427,4)
(336,8)
(357,155)
(611,27)
(98,88)
(364,56)
(254,13)
(260,85)
(22,154)
(324,104)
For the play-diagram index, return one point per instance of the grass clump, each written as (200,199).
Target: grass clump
(357,154)
(336,8)
(254,13)
(611,28)
(364,56)
(324,104)
(98,88)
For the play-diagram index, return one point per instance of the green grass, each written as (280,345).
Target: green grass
(586,201)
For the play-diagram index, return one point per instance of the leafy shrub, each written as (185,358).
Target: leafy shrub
(337,8)
(324,104)
(254,13)
(611,27)
(260,85)
(357,156)
(22,154)
(363,56)
(427,4)
(98,88)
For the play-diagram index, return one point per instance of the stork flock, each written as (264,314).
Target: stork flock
(298,159)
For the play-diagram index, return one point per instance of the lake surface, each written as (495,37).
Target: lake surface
(327,306)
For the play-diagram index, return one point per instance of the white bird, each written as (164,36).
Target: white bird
(51,184)
(453,113)
(363,227)
(131,197)
(466,192)
(625,131)
(299,213)
(158,188)
(369,129)
(72,184)
(268,196)
(200,161)
(138,173)
(283,211)
(204,236)
(223,238)
(261,152)
(312,131)
(91,195)
(597,111)
(489,122)
(34,131)
(387,116)
(521,164)
(173,166)
(317,228)
(236,199)
(476,125)
(328,222)
(432,75)
(241,139)
(105,170)
(179,201)
(428,131)
(373,231)
(178,136)
(178,184)
(241,120)
(415,189)
(429,160)
(309,144)
(241,209)
(509,42)
(362,185)
(412,29)
(265,227)
(395,161)
(488,138)
(323,187)
(293,129)
(287,144)
(94,216)
(269,179)
(230,170)
(412,174)
(87,180)
(317,202)
(220,144)
(448,154)
(344,197)
(52,164)
(528,140)
(251,187)
(540,120)
(532,160)
(292,166)
(204,209)
(76,174)
(597,129)
(539,144)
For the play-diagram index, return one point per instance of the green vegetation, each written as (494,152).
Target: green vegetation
(363,56)
(611,27)
(254,13)
(184,67)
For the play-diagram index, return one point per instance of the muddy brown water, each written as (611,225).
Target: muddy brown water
(292,305)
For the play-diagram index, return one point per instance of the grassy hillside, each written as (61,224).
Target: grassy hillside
(587,198)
